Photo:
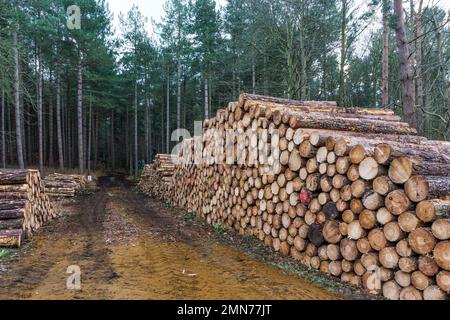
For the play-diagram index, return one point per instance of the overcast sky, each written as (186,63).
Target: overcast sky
(153,9)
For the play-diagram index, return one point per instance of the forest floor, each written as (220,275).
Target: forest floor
(131,247)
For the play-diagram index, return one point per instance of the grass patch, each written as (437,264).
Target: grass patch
(312,275)
(85,192)
(138,190)
(168,205)
(220,228)
(249,239)
(5,253)
(188,217)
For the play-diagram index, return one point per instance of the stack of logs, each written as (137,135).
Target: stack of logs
(24,207)
(355,192)
(60,185)
(156,177)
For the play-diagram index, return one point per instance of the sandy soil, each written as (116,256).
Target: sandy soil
(130,247)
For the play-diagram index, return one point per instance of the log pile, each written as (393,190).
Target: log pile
(63,186)
(24,207)
(354,193)
(156,177)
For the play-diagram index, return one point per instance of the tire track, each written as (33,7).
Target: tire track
(130,247)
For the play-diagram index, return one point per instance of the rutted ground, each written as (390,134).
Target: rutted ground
(129,247)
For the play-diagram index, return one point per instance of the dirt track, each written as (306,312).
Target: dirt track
(129,247)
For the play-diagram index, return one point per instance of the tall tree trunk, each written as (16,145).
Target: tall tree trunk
(65,125)
(22,118)
(89,144)
(17,102)
(150,147)
(406,74)
(58,120)
(206,98)
(179,95)
(25,149)
(162,145)
(127,140)
(113,146)
(385,85)
(253,76)
(28,134)
(323,94)
(136,129)
(303,66)
(442,75)
(419,80)
(69,135)
(183,104)
(290,61)
(168,115)
(39,111)
(210,96)
(85,134)
(9,123)
(80,115)
(266,77)
(96,139)
(343,53)
(238,83)
(68,131)
(234,94)
(50,129)
(146,122)
(3,130)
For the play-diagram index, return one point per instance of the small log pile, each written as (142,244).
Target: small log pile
(24,207)
(156,177)
(354,193)
(63,186)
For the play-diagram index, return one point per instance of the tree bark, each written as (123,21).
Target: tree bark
(136,129)
(50,127)
(80,115)
(127,140)
(39,111)
(9,124)
(206,99)
(253,76)
(349,124)
(25,148)
(179,95)
(89,144)
(96,140)
(168,116)
(385,84)
(406,74)
(150,147)
(418,35)
(58,120)
(146,122)
(85,134)
(113,147)
(28,135)
(3,130)
(162,142)
(17,103)
(343,52)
